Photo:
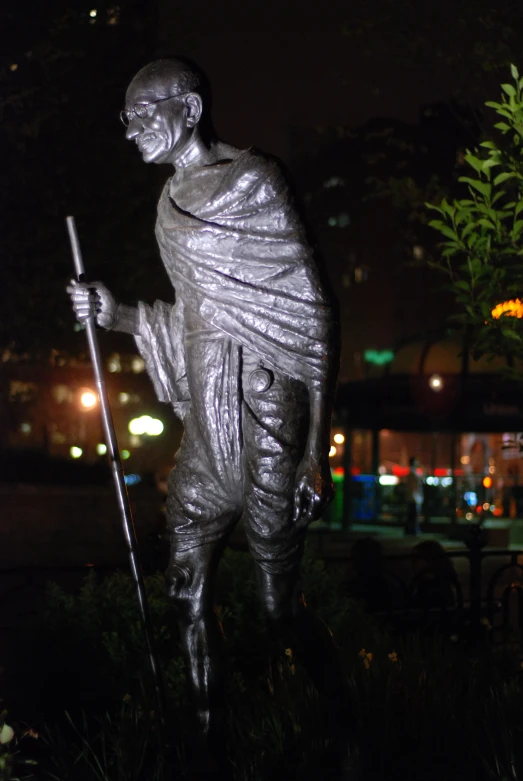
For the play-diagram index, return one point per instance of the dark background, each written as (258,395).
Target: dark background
(383,96)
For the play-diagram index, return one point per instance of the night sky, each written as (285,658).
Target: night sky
(275,65)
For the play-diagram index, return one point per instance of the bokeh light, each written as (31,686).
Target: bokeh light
(88,399)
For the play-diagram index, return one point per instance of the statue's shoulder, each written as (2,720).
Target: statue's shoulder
(253,168)
(254,160)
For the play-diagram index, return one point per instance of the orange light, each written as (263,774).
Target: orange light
(509,308)
(88,399)
(487,482)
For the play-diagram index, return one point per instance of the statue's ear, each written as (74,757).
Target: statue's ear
(194,108)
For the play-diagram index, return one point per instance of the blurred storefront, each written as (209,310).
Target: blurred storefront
(460,418)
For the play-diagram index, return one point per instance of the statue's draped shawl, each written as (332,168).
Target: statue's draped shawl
(241,260)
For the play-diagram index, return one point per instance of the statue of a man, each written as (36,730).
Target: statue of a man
(247,356)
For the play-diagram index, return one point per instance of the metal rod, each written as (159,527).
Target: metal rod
(118,475)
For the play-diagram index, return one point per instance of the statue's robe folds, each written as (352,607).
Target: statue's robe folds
(248,294)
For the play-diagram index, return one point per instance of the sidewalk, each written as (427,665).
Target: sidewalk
(394,540)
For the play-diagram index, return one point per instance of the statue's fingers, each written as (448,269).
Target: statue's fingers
(297,503)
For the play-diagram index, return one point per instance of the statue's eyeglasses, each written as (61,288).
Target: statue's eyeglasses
(143,110)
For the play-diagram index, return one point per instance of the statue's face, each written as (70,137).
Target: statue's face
(162,129)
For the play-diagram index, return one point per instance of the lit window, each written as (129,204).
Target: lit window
(334,181)
(361,273)
(342,220)
(62,393)
(22,392)
(113,14)
(138,365)
(113,363)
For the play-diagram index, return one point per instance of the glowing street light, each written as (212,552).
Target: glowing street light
(88,399)
(101,449)
(75,452)
(155,427)
(339,439)
(145,425)
(332,451)
(436,382)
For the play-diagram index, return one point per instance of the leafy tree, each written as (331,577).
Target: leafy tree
(481,248)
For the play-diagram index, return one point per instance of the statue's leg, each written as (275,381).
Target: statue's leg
(292,623)
(191,579)
(275,433)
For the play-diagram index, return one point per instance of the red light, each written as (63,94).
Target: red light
(459,472)
(355,470)
(479,508)
(440,472)
(400,471)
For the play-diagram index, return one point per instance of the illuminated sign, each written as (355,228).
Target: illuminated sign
(378,357)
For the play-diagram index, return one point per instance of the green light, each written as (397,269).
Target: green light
(125,455)
(378,357)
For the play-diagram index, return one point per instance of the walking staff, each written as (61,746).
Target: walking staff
(118,475)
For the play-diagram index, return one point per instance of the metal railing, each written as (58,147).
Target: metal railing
(482,603)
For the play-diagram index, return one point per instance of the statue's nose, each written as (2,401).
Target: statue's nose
(134,129)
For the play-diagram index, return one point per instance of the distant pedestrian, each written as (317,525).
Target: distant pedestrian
(435,582)
(414,497)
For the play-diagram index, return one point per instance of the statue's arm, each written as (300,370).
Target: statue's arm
(127,319)
(95,298)
(314,487)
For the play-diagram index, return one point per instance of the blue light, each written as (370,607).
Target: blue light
(132,479)
(471,498)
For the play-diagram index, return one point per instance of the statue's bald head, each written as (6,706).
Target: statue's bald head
(173,75)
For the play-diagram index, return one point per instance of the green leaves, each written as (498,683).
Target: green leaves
(481,247)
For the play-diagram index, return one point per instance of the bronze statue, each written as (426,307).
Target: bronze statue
(247,356)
